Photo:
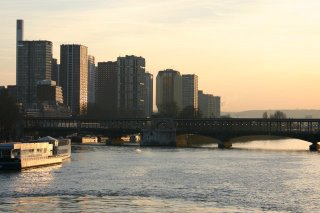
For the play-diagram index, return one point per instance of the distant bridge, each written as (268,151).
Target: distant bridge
(221,129)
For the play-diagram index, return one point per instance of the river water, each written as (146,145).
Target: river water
(265,176)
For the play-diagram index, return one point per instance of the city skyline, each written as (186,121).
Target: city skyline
(254,54)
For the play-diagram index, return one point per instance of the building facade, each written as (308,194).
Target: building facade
(55,71)
(48,92)
(74,77)
(107,86)
(34,63)
(168,89)
(19,37)
(130,92)
(209,105)
(91,79)
(148,83)
(216,106)
(3,90)
(190,91)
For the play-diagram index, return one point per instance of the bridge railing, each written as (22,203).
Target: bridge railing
(259,125)
(68,123)
(253,125)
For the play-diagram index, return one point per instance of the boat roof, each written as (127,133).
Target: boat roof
(7,145)
(47,138)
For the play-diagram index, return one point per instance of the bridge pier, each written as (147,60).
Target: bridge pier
(162,132)
(114,141)
(314,147)
(225,145)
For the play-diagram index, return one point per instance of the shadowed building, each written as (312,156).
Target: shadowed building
(209,105)
(55,71)
(106,86)
(169,89)
(33,64)
(190,91)
(12,91)
(74,77)
(49,92)
(148,83)
(216,106)
(3,90)
(130,92)
(91,79)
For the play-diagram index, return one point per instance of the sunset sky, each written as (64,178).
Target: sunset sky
(255,54)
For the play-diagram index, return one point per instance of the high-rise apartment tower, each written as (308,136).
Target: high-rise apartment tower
(34,63)
(131,94)
(106,87)
(74,77)
(190,91)
(169,89)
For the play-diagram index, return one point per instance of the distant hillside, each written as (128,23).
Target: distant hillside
(303,113)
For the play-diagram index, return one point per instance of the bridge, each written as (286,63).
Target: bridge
(221,129)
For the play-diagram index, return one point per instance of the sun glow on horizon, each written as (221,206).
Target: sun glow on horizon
(259,54)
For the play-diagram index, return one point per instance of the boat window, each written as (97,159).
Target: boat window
(15,153)
(27,152)
(5,153)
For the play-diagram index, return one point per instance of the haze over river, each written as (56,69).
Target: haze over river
(270,176)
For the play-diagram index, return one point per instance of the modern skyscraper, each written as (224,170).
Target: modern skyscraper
(106,86)
(91,79)
(169,89)
(34,63)
(74,77)
(148,83)
(130,94)
(190,91)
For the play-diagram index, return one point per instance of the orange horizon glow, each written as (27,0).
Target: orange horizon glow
(261,54)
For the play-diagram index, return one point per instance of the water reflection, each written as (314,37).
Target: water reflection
(252,177)
(104,204)
(27,180)
(269,145)
(286,144)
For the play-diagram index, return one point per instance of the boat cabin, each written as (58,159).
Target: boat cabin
(25,150)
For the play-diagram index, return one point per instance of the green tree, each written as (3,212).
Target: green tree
(9,116)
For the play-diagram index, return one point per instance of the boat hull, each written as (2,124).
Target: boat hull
(30,163)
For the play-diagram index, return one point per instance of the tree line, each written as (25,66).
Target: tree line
(276,115)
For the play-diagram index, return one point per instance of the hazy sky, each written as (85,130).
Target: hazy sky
(255,54)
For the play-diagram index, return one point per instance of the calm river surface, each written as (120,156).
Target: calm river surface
(267,176)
